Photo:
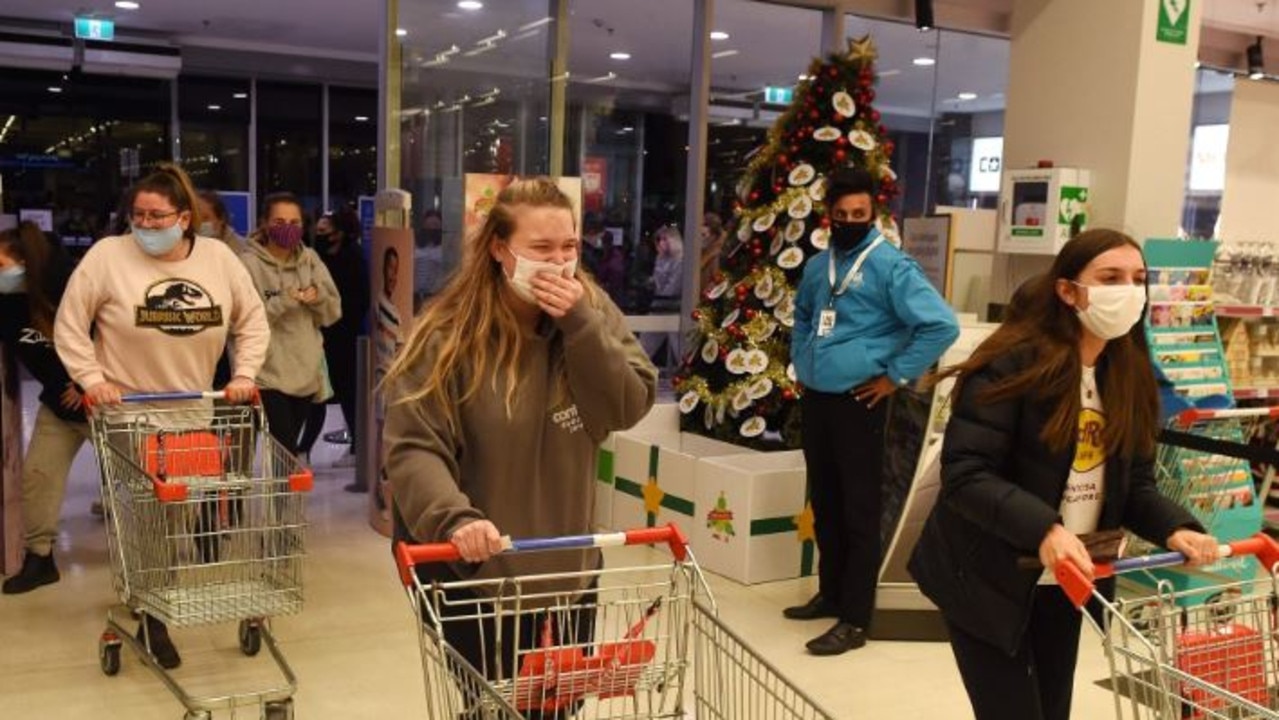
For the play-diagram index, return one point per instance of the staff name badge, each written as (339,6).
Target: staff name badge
(826,322)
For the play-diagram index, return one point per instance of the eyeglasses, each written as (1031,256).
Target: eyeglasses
(154,216)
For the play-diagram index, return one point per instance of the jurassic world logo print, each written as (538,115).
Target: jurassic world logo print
(178,307)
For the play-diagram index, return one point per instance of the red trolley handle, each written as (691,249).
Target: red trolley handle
(1079,588)
(407,556)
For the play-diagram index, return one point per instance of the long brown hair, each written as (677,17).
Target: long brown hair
(468,325)
(1047,329)
(28,245)
(172,183)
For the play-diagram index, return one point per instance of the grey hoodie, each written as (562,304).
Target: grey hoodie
(294,359)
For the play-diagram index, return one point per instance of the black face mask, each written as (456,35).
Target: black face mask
(848,235)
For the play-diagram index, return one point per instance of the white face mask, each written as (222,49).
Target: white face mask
(1112,309)
(522,279)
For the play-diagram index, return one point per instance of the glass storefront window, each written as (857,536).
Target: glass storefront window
(475,98)
(352,145)
(213,122)
(627,138)
(289,142)
(1206,166)
(72,145)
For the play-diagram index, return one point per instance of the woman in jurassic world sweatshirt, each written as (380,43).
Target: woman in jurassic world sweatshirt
(497,404)
(300,298)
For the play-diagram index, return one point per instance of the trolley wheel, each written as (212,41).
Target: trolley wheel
(1144,617)
(250,637)
(109,655)
(278,710)
(198,715)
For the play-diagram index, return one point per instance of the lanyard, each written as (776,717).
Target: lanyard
(857,266)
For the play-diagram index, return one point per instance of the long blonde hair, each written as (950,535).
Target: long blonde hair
(468,325)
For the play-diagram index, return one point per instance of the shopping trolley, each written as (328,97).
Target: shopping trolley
(205,524)
(1190,659)
(606,644)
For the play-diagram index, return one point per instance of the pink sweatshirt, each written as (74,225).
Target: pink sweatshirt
(159,325)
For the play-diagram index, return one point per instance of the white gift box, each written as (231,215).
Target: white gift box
(655,477)
(604,474)
(753,524)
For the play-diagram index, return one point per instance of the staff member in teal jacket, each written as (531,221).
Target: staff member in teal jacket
(867,322)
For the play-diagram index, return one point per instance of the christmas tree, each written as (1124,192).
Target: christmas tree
(737,383)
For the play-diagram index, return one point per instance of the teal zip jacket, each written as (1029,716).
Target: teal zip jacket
(890,321)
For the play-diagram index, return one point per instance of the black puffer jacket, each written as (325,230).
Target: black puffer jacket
(1000,494)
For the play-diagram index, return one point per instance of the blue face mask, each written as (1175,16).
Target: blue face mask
(158,242)
(13,279)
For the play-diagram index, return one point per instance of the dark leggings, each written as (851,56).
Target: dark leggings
(285,415)
(313,426)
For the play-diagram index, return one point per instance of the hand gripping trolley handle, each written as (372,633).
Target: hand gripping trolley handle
(1181,658)
(205,518)
(603,644)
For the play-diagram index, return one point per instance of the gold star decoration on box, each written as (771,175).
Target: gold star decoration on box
(653,495)
(862,50)
(805,524)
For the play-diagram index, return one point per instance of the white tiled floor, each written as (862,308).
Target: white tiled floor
(354,647)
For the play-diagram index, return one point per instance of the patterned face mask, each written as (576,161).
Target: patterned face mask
(288,237)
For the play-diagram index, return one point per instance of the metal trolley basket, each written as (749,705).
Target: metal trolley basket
(205,525)
(608,644)
(1190,659)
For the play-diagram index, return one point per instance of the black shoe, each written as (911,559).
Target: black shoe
(162,649)
(815,608)
(36,570)
(338,437)
(355,488)
(841,638)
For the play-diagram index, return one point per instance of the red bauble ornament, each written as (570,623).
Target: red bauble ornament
(870,95)
(723,353)
(754,195)
(842,141)
(697,315)
(788,394)
(757,251)
(794,148)
(840,155)
(882,130)
(777,188)
(741,292)
(833,72)
(782,159)
(889,146)
(874,116)
(882,198)
(814,114)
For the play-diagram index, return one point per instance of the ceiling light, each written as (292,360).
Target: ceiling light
(924,61)
(719,35)
(240,96)
(361,118)
(471,5)
(55,89)
(966,96)
(401,32)
(127,5)
(215,107)
(620,56)
(924,15)
(723,54)
(1256,61)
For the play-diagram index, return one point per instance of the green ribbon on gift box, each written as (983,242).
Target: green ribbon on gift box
(802,525)
(654,497)
(604,466)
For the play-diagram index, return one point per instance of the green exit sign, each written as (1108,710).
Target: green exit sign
(94,29)
(779,95)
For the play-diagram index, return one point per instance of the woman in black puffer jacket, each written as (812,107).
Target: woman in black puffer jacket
(1051,437)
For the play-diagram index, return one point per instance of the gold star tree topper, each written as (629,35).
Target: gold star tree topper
(862,50)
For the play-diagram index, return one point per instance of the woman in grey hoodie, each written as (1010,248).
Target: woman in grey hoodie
(300,298)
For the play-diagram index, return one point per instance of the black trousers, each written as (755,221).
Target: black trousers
(476,639)
(285,415)
(1037,682)
(844,453)
(340,354)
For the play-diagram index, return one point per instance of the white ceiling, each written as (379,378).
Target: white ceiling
(773,43)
